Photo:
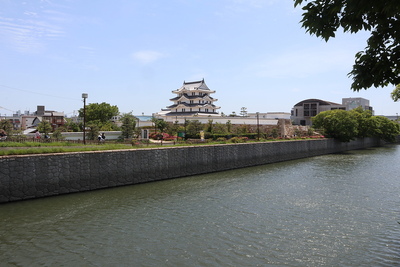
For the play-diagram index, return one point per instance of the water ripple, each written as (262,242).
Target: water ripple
(333,210)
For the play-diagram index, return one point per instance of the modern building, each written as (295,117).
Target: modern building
(355,102)
(303,111)
(192,98)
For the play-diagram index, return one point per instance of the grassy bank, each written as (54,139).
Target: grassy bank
(16,148)
(24,148)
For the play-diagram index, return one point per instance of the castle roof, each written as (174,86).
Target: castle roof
(192,86)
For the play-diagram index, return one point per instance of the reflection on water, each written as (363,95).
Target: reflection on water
(333,210)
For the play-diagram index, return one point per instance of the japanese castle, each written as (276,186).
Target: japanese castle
(192,99)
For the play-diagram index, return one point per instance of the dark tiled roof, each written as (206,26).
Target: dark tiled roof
(194,105)
(190,97)
(188,113)
(193,82)
(321,102)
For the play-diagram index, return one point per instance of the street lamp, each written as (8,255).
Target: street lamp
(84,96)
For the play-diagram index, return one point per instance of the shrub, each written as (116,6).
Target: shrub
(57,135)
(238,139)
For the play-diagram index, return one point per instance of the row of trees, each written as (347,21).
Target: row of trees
(211,129)
(98,118)
(339,124)
(357,123)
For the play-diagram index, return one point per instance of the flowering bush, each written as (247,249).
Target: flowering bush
(162,136)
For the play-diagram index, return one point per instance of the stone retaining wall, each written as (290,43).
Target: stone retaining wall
(34,176)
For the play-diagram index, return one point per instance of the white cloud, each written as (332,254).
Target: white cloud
(147,56)
(30,33)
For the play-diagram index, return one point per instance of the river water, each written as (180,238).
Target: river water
(332,210)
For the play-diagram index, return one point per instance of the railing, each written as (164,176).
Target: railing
(21,139)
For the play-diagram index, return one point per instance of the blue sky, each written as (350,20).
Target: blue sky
(133,53)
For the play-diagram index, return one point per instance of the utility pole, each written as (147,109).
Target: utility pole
(258,126)
(84,96)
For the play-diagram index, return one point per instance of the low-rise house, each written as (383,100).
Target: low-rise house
(55,118)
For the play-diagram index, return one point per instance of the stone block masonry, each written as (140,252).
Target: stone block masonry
(35,176)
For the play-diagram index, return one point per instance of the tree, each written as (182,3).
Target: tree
(338,124)
(229,126)
(193,128)
(57,134)
(348,125)
(242,129)
(70,126)
(99,112)
(6,126)
(219,128)
(243,112)
(128,125)
(363,121)
(44,127)
(210,126)
(93,131)
(173,128)
(159,124)
(378,64)
(384,128)
(396,93)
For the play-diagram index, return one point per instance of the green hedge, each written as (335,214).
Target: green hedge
(229,136)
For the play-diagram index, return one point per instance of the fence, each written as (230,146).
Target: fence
(22,139)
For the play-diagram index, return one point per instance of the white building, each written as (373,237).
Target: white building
(303,111)
(193,102)
(193,98)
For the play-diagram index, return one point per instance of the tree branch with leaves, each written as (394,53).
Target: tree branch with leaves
(378,64)
(396,93)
